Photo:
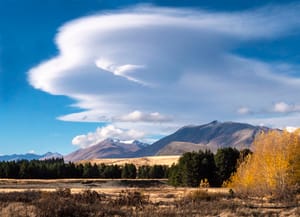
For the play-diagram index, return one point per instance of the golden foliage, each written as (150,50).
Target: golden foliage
(204,183)
(274,166)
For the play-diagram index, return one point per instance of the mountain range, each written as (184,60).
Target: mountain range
(30,156)
(210,136)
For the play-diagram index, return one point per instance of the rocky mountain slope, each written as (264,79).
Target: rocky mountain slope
(211,136)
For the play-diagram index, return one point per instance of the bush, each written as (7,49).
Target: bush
(61,204)
(200,195)
(131,198)
(204,183)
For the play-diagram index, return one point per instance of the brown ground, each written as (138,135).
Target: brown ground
(153,160)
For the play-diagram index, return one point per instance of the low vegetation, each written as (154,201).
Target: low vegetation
(134,203)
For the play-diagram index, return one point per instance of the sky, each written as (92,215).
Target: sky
(75,72)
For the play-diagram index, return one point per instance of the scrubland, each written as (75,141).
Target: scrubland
(92,197)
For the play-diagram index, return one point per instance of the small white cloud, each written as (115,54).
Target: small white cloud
(282,107)
(138,116)
(291,129)
(110,131)
(31,152)
(280,121)
(243,110)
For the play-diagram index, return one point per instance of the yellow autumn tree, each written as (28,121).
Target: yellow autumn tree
(273,168)
(294,169)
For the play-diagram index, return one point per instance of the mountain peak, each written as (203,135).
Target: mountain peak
(127,142)
(214,122)
(212,136)
(108,148)
(112,140)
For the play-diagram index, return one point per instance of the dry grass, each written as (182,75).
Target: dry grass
(131,202)
(17,209)
(95,197)
(153,160)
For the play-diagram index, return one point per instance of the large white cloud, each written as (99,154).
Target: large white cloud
(148,64)
(110,131)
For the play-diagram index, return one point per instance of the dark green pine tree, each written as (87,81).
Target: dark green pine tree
(143,172)
(129,171)
(226,162)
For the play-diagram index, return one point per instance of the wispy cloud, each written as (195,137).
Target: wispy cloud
(147,64)
(119,70)
(138,116)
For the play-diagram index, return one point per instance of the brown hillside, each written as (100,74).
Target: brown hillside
(153,160)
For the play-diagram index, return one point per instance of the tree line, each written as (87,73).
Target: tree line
(191,169)
(57,168)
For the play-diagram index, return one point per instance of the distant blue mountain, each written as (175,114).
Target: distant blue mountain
(29,156)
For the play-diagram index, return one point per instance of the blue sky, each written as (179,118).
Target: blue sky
(74,72)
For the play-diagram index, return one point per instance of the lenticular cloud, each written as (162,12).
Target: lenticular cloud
(149,64)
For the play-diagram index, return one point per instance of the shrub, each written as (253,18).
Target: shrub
(131,198)
(204,183)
